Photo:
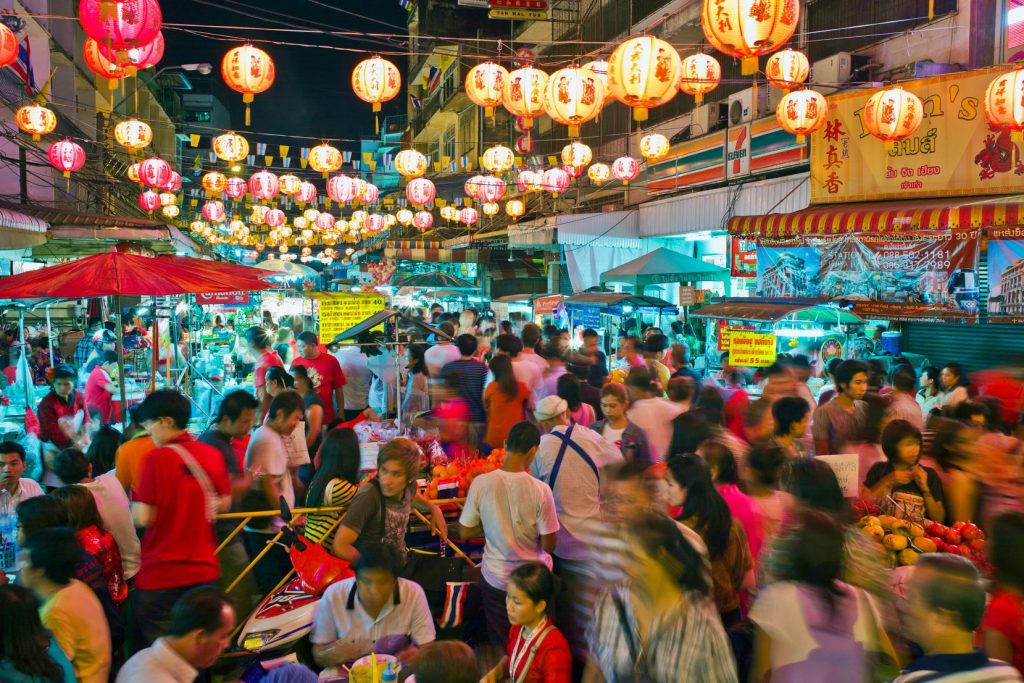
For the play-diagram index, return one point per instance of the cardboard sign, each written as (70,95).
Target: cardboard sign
(687,295)
(847,470)
(338,312)
(751,349)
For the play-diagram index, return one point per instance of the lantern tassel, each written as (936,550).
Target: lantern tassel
(931,9)
(698,98)
(67,182)
(376,125)
(574,131)
(890,145)
(639,113)
(749,65)
(248,116)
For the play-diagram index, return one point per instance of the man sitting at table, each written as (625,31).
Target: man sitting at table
(372,612)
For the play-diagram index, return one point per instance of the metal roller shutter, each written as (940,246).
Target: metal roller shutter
(976,347)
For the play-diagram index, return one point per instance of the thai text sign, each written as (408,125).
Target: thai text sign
(546,305)
(954,152)
(847,470)
(751,349)
(338,312)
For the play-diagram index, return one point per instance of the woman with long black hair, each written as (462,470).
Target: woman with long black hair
(705,511)
(28,653)
(334,484)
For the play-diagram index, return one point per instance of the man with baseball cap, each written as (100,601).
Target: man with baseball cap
(570,460)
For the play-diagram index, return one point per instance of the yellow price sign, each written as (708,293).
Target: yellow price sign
(751,349)
(339,312)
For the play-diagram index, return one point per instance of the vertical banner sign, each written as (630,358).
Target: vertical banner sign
(955,153)
(737,153)
(339,312)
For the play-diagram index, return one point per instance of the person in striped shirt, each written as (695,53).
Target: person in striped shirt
(333,485)
(945,605)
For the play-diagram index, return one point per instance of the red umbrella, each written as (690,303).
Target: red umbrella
(119,274)
(217,269)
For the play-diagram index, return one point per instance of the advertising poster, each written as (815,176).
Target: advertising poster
(223,298)
(954,153)
(920,274)
(743,257)
(1006,281)
(338,312)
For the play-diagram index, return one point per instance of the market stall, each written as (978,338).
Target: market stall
(610,312)
(665,266)
(521,308)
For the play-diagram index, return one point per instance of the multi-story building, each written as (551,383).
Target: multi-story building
(1011,288)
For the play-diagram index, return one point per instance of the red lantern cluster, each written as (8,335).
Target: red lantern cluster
(122,25)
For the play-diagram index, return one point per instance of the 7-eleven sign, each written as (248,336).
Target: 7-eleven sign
(737,151)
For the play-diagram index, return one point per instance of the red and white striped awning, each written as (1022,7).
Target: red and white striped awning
(439,255)
(883,218)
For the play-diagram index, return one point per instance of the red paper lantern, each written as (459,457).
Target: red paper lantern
(123,25)
(100,64)
(424,220)
(643,73)
(173,184)
(264,185)
(213,211)
(141,57)
(306,193)
(376,80)
(150,201)
(892,114)
(420,191)
(555,181)
(235,187)
(275,218)
(1004,102)
(36,120)
(248,70)
(625,169)
(573,171)
(491,189)
(8,46)
(155,172)
(524,144)
(468,216)
(574,96)
(66,156)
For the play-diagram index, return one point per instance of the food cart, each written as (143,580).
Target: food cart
(609,312)
(522,308)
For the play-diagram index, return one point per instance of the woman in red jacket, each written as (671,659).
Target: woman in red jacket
(537,651)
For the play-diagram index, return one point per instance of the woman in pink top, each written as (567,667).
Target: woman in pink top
(261,347)
(569,390)
(100,388)
(745,509)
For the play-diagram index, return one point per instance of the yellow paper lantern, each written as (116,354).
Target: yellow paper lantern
(168,199)
(485,86)
(248,70)
(170,211)
(230,147)
(196,226)
(310,215)
(133,172)
(749,28)
(801,112)
(573,96)
(325,159)
(1004,103)
(599,173)
(449,213)
(701,74)
(214,182)
(36,120)
(524,94)
(404,216)
(515,208)
(290,184)
(787,69)
(644,73)
(599,68)
(410,164)
(300,222)
(133,134)
(490,208)
(892,114)
(653,147)
(376,80)
(576,154)
(498,159)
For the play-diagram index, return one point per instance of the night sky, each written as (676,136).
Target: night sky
(312,93)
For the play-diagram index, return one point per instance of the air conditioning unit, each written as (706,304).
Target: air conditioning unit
(829,73)
(742,107)
(700,121)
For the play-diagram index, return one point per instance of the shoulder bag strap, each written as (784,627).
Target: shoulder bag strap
(200,475)
(532,654)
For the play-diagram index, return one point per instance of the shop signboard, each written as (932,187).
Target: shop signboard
(223,299)
(743,257)
(687,295)
(737,151)
(955,152)
(546,305)
(751,349)
(585,316)
(926,274)
(338,312)
(1006,277)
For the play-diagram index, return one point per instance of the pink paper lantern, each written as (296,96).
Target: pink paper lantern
(526,181)
(306,193)
(491,188)
(424,220)
(66,156)
(420,191)
(140,57)
(375,222)
(275,218)
(573,171)
(155,172)
(625,169)
(370,194)
(235,187)
(213,210)
(122,25)
(472,186)
(325,221)
(341,189)
(468,216)
(555,181)
(149,201)
(173,184)
(264,185)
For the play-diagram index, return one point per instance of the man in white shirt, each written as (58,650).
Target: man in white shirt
(443,353)
(650,411)
(530,337)
(12,466)
(374,611)
(268,459)
(570,459)
(358,377)
(198,632)
(73,467)
(515,514)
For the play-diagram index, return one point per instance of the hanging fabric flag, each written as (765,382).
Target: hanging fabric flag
(552,161)
(213,157)
(437,167)
(367,156)
(193,203)
(193,139)
(405,4)
(465,162)
(517,161)
(415,101)
(268,160)
(446,161)
(355,165)
(327,202)
(451,166)
(251,159)
(287,161)
(282,151)
(304,162)
(197,163)
(372,165)
(346,156)
(440,203)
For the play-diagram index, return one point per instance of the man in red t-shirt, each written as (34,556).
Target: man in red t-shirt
(324,371)
(182,485)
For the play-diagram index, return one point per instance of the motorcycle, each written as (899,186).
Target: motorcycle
(285,616)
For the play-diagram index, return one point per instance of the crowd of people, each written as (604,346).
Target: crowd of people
(646,522)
